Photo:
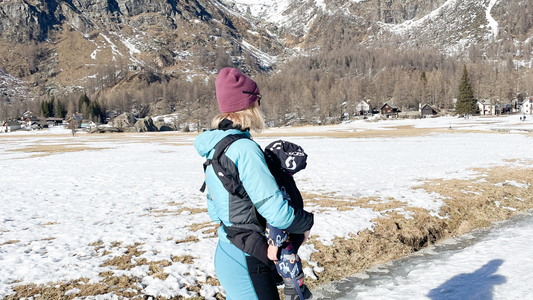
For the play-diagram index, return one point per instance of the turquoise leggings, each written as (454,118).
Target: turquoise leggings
(242,276)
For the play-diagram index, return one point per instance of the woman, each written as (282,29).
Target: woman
(244,276)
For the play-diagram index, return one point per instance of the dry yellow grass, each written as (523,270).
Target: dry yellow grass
(470,204)
(189,239)
(46,150)
(398,131)
(401,131)
(10,242)
(165,212)
(192,210)
(205,225)
(184,259)
(42,147)
(49,223)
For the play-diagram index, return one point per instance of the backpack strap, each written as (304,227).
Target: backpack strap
(206,163)
(231,182)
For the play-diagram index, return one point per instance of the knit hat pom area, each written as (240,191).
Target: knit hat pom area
(235,91)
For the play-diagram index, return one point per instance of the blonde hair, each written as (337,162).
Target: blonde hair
(248,118)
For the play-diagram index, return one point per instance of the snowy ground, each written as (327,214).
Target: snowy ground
(493,264)
(143,188)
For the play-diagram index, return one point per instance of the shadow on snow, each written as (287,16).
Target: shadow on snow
(477,285)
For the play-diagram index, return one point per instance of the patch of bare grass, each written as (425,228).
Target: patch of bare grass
(125,262)
(10,242)
(123,287)
(192,210)
(49,223)
(165,212)
(330,201)
(189,239)
(394,236)
(46,150)
(205,226)
(156,269)
(184,259)
(399,131)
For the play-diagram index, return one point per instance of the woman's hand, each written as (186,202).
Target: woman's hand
(306,235)
(272,252)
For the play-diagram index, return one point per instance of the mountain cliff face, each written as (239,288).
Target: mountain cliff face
(56,44)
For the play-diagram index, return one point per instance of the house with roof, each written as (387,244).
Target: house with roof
(35,123)
(363,108)
(54,121)
(30,120)
(426,111)
(9,126)
(485,107)
(76,119)
(527,106)
(389,110)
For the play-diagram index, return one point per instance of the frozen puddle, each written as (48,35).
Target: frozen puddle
(486,264)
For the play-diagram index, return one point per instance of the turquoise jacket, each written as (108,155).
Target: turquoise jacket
(255,177)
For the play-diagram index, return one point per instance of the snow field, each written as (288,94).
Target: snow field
(144,190)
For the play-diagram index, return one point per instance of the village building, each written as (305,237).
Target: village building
(3,127)
(389,110)
(54,121)
(505,108)
(427,111)
(527,106)
(76,120)
(9,126)
(485,107)
(363,108)
(30,120)
(35,123)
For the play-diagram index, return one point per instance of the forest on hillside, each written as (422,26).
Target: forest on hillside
(318,87)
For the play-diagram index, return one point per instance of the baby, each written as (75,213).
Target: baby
(284,159)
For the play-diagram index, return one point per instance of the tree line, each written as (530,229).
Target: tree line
(315,88)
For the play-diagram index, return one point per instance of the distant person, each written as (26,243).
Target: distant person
(73,124)
(242,195)
(524,118)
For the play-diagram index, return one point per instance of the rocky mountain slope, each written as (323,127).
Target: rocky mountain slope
(62,43)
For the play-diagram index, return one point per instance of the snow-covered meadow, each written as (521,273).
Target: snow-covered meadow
(74,203)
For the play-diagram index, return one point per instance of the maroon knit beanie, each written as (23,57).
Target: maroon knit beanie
(230,85)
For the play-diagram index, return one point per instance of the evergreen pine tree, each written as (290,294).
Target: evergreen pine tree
(51,107)
(96,111)
(60,110)
(466,104)
(83,104)
(42,109)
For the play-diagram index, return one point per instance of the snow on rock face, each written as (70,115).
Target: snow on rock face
(12,88)
(451,27)
(492,23)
